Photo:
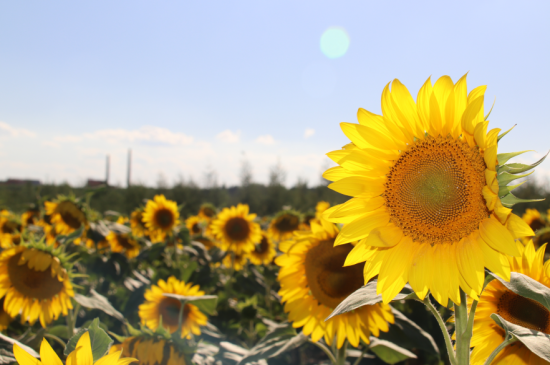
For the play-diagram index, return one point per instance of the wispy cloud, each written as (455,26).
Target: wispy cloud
(265,140)
(309,132)
(8,130)
(228,136)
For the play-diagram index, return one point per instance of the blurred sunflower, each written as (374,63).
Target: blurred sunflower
(235,229)
(136,223)
(30,217)
(122,219)
(157,305)
(35,284)
(283,226)
(193,224)
(122,242)
(208,243)
(534,219)
(235,260)
(264,252)
(525,312)
(150,351)
(426,206)
(160,216)
(5,318)
(207,212)
(81,356)
(10,230)
(65,215)
(314,281)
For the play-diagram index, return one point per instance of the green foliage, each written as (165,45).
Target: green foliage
(99,339)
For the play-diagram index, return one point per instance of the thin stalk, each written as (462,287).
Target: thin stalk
(326,350)
(448,344)
(509,339)
(462,337)
(56,339)
(341,354)
(180,317)
(365,349)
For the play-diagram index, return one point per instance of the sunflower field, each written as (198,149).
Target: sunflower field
(424,263)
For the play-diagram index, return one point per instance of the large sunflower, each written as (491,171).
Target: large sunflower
(160,216)
(65,215)
(283,226)
(157,305)
(81,356)
(513,308)
(426,206)
(35,283)
(150,351)
(236,230)
(314,281)
(136,223)
(122,242)
(10,230)
(264,252)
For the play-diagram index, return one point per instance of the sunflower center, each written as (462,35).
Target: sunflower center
(237,229)
(433,191)
(196,229)
(524,312)
(536,224)
(32,283)
(164,218)
(208,212)
(10,227)
(69,213)
(263,246)
(328,280)
(287,223)
(169,309)
(124,241)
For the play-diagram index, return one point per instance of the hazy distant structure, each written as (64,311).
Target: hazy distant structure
(128,175)
(20,182)
(107,169)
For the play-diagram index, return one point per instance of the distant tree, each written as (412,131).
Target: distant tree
(246,172)
(277,175)
(210,178)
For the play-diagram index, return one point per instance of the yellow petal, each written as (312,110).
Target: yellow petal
(518,228)
(360,228)
(470,262)
(490,157)
(394,272)
(353,186)
(470,118)
(387,236)
(23,357)
(494,260)
(48,355)
(84,347)
(498,237)
(423,103)
(420,271)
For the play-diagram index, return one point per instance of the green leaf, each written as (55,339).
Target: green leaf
(205,303)
(389,352)
(517,168)
(537,342)
(188,270)
(366,295)
(99,339)
(505,190)
(11,341)
(526,287)
(510,200)
(506,178)
(98,301)
(60,331)
(184,235)
(505,133)
(420,337)
(504,157)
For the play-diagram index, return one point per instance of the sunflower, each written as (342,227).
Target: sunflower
(207,212)
(160,216)
(236,230)
(10,230)
(264,252)
(81,356)
(193,224)
(283,226)
(35,283)
(534,219)
(314,281)
(426,206)
(208,243)
(65,215)
(136,223)
(513,308)
(5,318)
(157,305)
(30,217)
(150,351)
(122,242)
(235,260)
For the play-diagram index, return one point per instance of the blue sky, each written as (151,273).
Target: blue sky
(192,86)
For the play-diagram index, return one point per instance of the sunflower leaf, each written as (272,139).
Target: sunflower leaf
(389,352)
(366,295)
(517,168)
(506,178)
(504,157)
(526,287)
(99,340)
(510,200)
(537,342)
(11,341)
(505,133)
(205,303)
(98,301)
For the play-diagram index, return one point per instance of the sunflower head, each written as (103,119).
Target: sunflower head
(151,350)
(193,224)
(236,230)
(283,226)
(30,217)
(428,206)
(67,214)
(236,261)
(136,223)
(534,219)
(207,212)
(158,306)
(264,252)
(35,282)
(122,242)
(10,229)
(314,281)
(160,216)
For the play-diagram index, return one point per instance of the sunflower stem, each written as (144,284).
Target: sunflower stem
(56,339)
(461,331)
(326,350)
(365,349)
(443,327)
(341,354)
(507,341)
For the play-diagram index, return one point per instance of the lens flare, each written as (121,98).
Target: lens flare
(334,42)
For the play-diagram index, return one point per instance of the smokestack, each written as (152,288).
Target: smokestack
(129,166)
(107,169)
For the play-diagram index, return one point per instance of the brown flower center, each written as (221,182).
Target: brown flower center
(169,309)
(328,280)
(536,224)
(70,213)
(164,218)
(196,229)
(433,191)
(237,229)
(287,223)
(32,283)
(208,212)
(11,227)
(125,241)
(263,246)
(524,312)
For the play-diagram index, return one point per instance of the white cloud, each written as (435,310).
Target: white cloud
(265,140)
(8,130)
(229,137)
(309,132)
(145,134)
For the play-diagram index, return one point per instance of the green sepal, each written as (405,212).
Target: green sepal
(504,190)
(510,200)
(505,133)
(492,106)
(505,178)
(504,157)
(517,168)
